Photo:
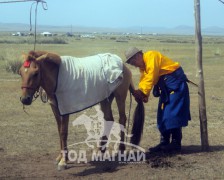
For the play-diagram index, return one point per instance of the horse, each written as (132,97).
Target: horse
(40,70)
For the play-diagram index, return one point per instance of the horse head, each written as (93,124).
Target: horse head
(31,76)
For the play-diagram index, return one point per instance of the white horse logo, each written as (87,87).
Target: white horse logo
(97,128)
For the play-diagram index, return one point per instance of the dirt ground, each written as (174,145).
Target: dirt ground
(29,144)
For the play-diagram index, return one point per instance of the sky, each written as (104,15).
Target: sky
(116,13)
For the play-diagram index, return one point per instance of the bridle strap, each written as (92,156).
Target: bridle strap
(36,91)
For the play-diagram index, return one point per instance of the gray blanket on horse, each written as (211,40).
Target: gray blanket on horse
(84,82)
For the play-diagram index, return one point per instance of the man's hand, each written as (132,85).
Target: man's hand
(140,96)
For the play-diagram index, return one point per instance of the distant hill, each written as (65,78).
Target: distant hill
(179,30)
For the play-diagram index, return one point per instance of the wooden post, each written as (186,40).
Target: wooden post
(201,90)
(221,1)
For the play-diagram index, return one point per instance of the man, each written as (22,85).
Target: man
(169,82)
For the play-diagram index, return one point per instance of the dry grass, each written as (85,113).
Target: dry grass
(29,143)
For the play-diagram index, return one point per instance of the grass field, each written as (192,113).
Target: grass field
(29,142)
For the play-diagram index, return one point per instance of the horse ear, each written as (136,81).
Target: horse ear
(42,57)
(24,56)
(30,56)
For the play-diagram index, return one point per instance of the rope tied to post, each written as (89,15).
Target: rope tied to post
(44,6)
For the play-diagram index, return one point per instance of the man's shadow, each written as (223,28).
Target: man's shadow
(161,159)
(197,149)
(192,149)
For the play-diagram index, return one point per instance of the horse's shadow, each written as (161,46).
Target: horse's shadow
(113,166)
(100,167)
(103,166)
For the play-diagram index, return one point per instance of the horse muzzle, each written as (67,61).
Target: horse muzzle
(26,100)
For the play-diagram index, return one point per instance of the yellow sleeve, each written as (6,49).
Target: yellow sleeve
(150,76)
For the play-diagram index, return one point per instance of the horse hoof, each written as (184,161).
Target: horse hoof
(62,167)
(56,162)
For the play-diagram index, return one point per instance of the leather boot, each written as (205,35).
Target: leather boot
(164,141)
(175,145)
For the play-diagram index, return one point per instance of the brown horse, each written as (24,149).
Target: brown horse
(40,69)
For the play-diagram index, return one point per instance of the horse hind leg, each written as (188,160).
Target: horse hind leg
(122,122)
(121,94)
(108,116)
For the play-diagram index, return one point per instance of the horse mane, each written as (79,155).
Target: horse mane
(50,57)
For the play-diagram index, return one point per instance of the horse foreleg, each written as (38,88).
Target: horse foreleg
(122,121)
(63,136)
(62,123)
(58,120)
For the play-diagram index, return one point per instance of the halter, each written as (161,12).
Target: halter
(27,64)
(35,96)
(37,91)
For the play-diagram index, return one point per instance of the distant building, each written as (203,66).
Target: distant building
(88,36)
(18,34)
(47,34)
(69,34)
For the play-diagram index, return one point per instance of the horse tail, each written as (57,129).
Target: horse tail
(138,121)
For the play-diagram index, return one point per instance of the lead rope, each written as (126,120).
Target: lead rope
(191,82)
(43,95)
(36,95)
(25,110)
(129,115)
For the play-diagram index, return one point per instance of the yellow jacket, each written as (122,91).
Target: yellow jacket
(156,65)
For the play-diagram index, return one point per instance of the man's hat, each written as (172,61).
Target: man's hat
(130,53)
